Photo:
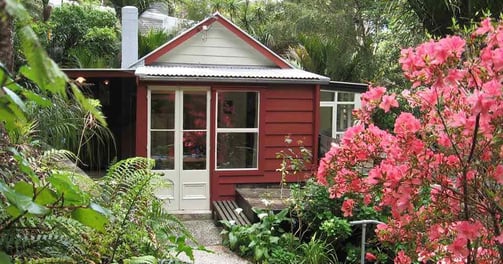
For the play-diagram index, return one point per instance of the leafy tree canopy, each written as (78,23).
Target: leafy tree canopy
(75,33)
(437,16)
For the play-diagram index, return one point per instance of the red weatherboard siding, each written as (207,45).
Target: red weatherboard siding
(284,110)
(141,120)
(316,122)
(290,111)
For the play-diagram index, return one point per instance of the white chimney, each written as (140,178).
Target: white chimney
(129,36)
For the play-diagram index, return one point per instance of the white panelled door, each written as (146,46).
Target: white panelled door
(178,142)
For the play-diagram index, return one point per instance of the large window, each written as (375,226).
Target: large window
(237,130)
(336,112)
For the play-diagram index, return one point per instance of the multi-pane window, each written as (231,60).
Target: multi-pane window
(237,130)
(336,112)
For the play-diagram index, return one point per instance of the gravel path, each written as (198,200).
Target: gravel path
(208,235)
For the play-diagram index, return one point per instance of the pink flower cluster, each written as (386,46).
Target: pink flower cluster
(440,171)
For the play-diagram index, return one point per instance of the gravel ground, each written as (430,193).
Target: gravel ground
(208,235)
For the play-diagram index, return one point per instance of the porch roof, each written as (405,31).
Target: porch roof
(229,74)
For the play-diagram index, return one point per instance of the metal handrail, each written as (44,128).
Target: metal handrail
(364,230)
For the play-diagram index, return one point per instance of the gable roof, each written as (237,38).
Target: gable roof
(231,29)
(217,50)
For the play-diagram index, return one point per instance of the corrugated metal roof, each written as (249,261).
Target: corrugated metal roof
(229,74)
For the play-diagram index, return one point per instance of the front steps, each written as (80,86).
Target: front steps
(248,197)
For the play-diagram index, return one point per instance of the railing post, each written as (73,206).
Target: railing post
(364,232)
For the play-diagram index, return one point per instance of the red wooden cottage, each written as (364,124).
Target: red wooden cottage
(212,107)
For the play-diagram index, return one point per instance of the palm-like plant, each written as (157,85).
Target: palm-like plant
(66,125)
(151,40)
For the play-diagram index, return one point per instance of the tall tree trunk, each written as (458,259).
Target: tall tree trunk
(6,40)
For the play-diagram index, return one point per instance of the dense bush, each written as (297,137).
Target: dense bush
(81,36)
(439,172)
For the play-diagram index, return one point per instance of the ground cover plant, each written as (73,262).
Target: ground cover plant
(439,172)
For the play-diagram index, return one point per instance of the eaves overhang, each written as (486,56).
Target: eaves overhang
(228,74)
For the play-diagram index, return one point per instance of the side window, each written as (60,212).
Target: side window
(237,130)
(336,110)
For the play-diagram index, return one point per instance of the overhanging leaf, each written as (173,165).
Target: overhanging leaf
(91,218)
(22,202)
(65,187)
(45,196)
(98,208)
(13,211)
(16,9)
(7,117)
(4,258)
(41,69)
(24,188)
(38,99)
(88,105)
(15,98)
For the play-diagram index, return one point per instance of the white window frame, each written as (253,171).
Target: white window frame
(333,104)
(237,130)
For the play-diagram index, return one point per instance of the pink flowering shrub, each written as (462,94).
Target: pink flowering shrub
(439,173)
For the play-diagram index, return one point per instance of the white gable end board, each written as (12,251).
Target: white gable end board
(215,46)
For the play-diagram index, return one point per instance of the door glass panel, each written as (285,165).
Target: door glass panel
(194,150)
(194,110)
(326,121)
(163,150)
(163,110)
(344,116)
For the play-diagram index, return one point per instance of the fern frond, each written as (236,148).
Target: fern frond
(123,176)
(58,158)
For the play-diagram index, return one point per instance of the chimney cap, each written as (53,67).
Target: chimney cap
(130,9)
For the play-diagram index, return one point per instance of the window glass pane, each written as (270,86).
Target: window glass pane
(326,121)
(162,149)
(237,110)
(162,110)
(236,150)
(194,110)
(344,116)
(194,150)
(327,96)
(345,97)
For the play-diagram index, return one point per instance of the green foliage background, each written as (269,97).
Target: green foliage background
(49,211)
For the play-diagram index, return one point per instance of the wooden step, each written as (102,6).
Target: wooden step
(226,210)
